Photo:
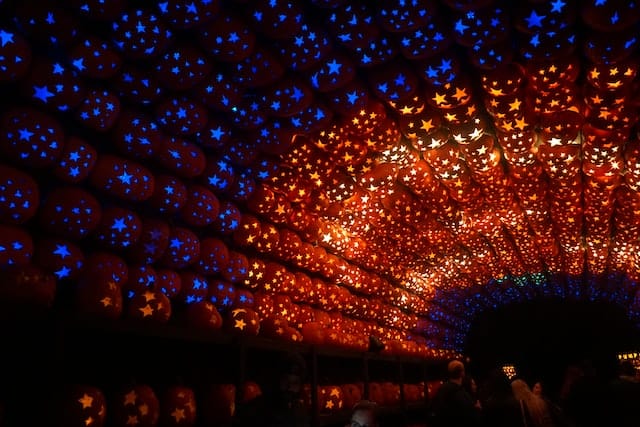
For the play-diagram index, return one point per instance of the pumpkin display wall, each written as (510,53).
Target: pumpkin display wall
(328,171)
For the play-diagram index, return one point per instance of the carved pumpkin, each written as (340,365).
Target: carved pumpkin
(178,407)
(82,406)
(135,405)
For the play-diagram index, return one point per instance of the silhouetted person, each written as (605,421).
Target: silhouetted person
(364,414)
(281,403)
(537,409)
(623,398)
(452,405)
(582,397)
(499,406)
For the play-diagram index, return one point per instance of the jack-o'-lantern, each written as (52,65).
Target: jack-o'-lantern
(98,297)
(243,321)
(135,405)
(81,406)
(203,315)
(60,257)
(330,399)
(149,305)
(178,407)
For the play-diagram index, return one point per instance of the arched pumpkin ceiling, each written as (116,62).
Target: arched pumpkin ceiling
(407,163)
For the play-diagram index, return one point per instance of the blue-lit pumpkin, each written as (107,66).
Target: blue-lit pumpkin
(140,34)
(137,135)
(194,287)
(76,161)
(182,67)
(219,91)
(101,10)
(94,58)
(261,68)
(169,282)
(99,110)
(137,85)
(227,38)
(53,85)
(182,15)
(119,228)
(152,242)
(214,256)
(228,219)
(183,249)
(30,137)
(47,23)
(15,55)
(169,194)
(19,196)
(60,257)
(348,99)
(70,212)
(17,246)
(106,265)
(122,178)
(218,133)
(302,50)
(181,157)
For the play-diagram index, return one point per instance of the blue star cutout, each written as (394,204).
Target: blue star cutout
(460,27)
(5,38)
(63,272)
(600,2)
(534,20)
(119,224)
(42,93)
(217,133)
(352,97)
(334,67)
(176,243)
(62,251)
(125,178)
(557,6)
(79,64)
(297,94)
(25,134)
(615,18)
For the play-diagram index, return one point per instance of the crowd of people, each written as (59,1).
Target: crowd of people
(585,400)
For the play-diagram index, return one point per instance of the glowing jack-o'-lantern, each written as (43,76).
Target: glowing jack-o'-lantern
(19,196)
(150,305)
(178,407)
(81,406)
(243,321)
(135,405)
(203,315)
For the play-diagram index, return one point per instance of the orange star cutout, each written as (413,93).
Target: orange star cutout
(130,398)
(86,401)
(143,409)
(178,414)
(146,310)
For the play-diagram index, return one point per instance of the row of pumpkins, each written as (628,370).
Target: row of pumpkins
(179,406)
(217,306)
